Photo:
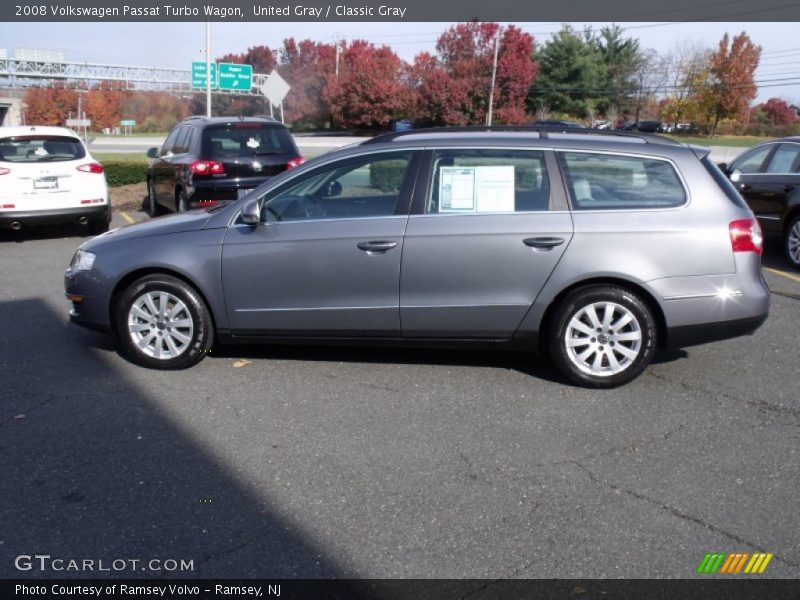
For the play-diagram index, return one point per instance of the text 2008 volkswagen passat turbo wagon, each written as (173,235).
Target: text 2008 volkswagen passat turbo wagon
(596,248)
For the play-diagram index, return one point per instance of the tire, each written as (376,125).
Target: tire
(791,242)
(153,207)
(147,338)
(601,359)
(181,202)
(98,227)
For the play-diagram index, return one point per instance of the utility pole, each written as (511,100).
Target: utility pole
(494,76)
(337,57)
(208,68)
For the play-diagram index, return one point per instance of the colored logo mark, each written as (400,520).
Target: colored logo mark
(734,563)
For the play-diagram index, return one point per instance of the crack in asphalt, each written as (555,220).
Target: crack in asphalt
(761,405)
(680,514)
(614,449)
(35,407)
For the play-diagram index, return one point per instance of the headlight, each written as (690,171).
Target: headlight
(82,261)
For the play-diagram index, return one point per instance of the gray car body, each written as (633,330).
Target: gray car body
(450,278)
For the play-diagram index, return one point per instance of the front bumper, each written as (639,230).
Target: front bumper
(100,212)
(90,311)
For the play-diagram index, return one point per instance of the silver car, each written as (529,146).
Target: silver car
(596,248)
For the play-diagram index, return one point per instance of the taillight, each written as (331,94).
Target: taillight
(746,236)
(295,162)
(96,168)
(207,167)
(4,171)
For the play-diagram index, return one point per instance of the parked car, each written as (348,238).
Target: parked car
(205,161)
(48,177)
(557,124)
(768,177)
(598,248)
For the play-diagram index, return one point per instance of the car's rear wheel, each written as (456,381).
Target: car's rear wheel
(791,242)
(182,201)
(602,336)
(153,207)
(163,323)
(98,226)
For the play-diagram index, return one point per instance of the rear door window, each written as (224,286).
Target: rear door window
(467,181)
(752,161)
(246,139)
(612,182)
(41,148)
(785,160)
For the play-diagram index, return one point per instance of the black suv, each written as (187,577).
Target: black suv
(208,160)
(768,176)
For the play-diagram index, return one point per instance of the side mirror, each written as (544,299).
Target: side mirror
(251,213)
(736,175)
(723,167)
(152,153)
(333,189)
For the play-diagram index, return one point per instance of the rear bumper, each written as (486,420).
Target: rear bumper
(55,217)
(221,190)
(691,335)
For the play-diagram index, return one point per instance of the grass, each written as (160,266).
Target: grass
(121,157)
(102,136)
(735,141)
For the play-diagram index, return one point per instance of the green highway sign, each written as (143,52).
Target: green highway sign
(235,77)
(127,123)
(199,75)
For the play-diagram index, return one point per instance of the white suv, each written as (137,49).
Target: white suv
(47,176)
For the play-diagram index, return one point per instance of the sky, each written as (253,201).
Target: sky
(176,45)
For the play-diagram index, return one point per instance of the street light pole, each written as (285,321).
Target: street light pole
(208,68)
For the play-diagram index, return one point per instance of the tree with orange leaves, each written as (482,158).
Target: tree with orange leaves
(731,85)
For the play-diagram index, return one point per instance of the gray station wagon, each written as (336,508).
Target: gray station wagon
(597,248)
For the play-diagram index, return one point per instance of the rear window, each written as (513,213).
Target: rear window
(724,183)
(246,139)
(40,148)
(611,182)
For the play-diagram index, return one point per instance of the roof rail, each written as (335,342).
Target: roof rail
(543,131)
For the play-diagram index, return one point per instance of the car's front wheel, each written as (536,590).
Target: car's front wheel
(602,336)
(163,323)
(791,242)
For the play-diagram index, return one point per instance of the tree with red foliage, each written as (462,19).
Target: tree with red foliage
(103,104)
(371,89)
(307,66)
(453,88)
(50,105)
(731,85)
(778,111)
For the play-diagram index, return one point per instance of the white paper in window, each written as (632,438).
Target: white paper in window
(457,189)
(494,189)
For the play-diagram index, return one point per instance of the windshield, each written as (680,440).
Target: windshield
(40,148)
(246,139)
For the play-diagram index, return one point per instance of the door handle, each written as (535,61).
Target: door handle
(788,188)
(376,246)
(543,242)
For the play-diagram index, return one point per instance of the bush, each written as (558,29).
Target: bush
(387,175)
(125,172)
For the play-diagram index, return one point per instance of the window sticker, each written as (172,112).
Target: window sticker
(457,189)
(494,189)
(487,189)
(253,143)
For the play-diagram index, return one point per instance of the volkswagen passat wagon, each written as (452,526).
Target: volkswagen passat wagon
(596,248)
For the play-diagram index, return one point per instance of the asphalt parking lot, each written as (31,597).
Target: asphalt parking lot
(330,462)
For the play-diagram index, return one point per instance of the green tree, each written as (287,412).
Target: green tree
(621,57)
(572,74)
